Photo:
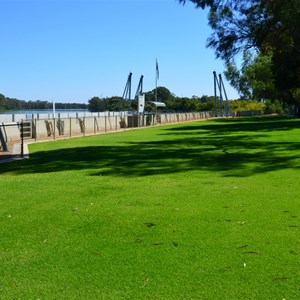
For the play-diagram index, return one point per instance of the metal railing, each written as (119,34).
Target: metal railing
(62,128)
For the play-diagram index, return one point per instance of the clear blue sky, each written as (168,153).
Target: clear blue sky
(72,50)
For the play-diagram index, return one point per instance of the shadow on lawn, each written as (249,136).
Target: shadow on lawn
(257,124)
(232,155)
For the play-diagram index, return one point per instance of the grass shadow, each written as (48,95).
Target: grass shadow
(191,147)
(255,124)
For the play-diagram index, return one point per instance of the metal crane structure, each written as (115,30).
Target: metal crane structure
(222,108)
(127,91)
(139,90)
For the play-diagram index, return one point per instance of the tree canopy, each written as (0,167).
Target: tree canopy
(254,80)
(243,24)
(107,104)
(266,26)
(173,103)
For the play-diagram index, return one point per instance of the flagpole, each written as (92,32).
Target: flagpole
(156,89)
(53,108)
(156,78)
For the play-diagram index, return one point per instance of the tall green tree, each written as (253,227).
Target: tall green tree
(96,104)
(163,94)
(254,80)
(263,25)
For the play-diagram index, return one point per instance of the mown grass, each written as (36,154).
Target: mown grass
(204,210)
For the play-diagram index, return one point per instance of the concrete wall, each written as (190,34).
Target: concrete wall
(50,128)
(11,131)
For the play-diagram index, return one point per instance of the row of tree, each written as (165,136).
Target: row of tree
(95,104)
(267,35)
(7,103)
(173,104)
(184,104)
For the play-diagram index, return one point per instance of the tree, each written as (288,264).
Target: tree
(240,79)
(239,25)
(255,79)
(163,94)
(2,102)
(265,26)
(96,104)
(116,104)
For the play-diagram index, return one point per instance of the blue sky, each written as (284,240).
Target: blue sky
(72,50)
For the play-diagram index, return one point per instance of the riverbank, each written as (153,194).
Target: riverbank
(19,115)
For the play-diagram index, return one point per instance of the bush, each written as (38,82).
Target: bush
(273,107)
(247,105)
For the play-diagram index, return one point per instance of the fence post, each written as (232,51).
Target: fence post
(84,126)
(35,129)
(22,139)
(3,138)
(54,131)
(70,118)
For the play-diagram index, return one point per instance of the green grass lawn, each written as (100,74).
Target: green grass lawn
(202,210)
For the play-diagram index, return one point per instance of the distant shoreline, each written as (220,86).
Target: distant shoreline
(41,111)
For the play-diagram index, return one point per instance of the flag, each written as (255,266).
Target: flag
(157,70)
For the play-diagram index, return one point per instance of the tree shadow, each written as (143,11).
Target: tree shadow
(255,124)
(230,155)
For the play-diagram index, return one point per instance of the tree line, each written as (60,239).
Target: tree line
(7,103)
(115,103)
(173,104)
(184,104)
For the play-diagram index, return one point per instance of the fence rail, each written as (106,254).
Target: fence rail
(58,128)
(18,117)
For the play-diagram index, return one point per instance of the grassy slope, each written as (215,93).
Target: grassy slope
(206,210)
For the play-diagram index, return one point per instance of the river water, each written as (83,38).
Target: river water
(19,115)
(42,111)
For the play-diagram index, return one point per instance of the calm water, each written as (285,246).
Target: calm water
(43,111)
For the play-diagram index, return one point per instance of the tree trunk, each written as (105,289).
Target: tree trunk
(297,110)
